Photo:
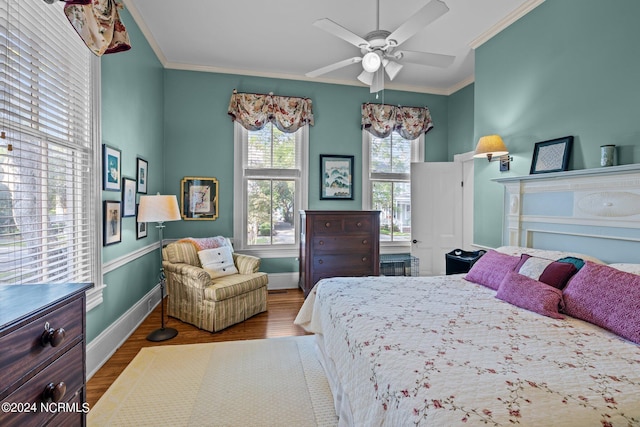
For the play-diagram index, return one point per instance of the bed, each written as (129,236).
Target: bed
(445,351)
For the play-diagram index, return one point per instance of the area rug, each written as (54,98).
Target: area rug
(268,382)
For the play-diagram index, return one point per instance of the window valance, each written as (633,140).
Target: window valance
(382,119)
(98,23)
(253,111)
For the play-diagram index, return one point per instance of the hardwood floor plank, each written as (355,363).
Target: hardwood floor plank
(277,321)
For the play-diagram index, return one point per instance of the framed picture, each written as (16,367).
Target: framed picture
(199,198)
(141,227)
(112,222)
(142,174)
(128,197)
(552,155)
(111,166)
(336,177)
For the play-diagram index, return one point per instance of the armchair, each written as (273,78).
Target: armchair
(212,303)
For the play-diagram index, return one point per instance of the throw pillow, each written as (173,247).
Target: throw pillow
(606,297)
(547,271)
(218,262)
(531,295)
(578,262)
(491,268)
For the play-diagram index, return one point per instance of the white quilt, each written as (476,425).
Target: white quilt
(441,351)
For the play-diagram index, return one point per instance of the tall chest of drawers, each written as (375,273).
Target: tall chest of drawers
(42,356)
(338,243)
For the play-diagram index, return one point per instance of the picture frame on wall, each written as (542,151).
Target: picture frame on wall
(141,227)
(552,155)
(142,175)
(128,197)
(111,168)
(336,177)
(112,222)
(199,198)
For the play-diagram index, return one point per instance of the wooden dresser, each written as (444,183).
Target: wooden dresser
(42,355)
(338,243)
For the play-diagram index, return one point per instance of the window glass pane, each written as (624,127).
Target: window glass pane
(270,212)
(271,148)
(393,200)
(391,154)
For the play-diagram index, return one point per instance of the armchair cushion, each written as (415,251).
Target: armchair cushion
(233,285)
(218,262)
(246,264)
(181,253)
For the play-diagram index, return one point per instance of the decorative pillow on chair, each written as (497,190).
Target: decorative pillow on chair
(547,271)
(531,295)
(491,268)
(606,297)
(218,262)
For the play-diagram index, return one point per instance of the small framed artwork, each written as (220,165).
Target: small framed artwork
(336,177)
(111,166)
(112,222)
(141,227)
(128,197)
(142,174)
(199,198)
(552,155)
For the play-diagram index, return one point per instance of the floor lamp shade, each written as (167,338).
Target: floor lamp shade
(159,209)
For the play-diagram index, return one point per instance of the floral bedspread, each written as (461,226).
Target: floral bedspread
(442,351)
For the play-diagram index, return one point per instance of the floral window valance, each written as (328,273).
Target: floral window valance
(253,111)
(98,23)
(382,119)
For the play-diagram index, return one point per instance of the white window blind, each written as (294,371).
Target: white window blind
(48,158)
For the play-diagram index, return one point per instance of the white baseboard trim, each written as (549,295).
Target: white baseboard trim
(283,281)
(102,347)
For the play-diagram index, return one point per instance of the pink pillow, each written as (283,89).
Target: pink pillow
(606,297)
(530,294)
(491,268)
(547,271)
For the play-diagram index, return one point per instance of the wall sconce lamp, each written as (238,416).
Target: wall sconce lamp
(492,147)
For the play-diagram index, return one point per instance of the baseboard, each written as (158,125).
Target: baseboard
(283,281)
(102,347)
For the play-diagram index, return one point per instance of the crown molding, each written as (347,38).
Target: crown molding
(135,13)
(505,22)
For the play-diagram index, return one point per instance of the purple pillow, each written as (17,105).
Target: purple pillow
(547,271)
(531,295)
(491,268)
(606,297)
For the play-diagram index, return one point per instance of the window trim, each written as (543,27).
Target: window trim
(417,152)
(240,135)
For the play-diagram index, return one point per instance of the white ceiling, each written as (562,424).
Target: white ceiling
(277,38)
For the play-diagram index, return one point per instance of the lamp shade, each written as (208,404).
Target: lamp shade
(489,146)
(158,208)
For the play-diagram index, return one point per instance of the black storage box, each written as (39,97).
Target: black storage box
(459,261)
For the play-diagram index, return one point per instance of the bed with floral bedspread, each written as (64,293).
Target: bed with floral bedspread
(442,351)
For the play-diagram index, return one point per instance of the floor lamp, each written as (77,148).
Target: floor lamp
(159,209)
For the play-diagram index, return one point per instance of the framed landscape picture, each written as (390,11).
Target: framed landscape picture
(111,167)
(112,222)
(199,198)
(128,197)
(142,174)
(336,177)
(141,227)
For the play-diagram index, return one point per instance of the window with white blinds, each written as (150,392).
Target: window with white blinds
(270,186)
(49,188)
(387,182)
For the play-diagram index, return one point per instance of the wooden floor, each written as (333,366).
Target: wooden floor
(277,321)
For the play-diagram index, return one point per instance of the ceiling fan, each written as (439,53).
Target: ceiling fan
(378,48)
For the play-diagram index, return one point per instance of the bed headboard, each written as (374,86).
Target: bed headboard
(591,211)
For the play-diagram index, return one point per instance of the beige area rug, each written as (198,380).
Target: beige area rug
(269,382)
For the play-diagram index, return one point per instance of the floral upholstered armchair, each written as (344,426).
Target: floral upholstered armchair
(210,286)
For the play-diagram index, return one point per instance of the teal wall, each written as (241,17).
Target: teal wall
(461,122)
(569,67)
(132,115)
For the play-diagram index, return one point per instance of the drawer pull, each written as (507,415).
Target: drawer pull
(320,261)
(358,224)
(54,392)
(321,242)
(327,224)
(55,337)
(364,259)
(365,241)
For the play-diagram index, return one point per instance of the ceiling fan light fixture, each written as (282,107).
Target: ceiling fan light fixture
(366,77)
(392,69)
(371,62)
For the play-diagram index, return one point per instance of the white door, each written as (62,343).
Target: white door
(436,213)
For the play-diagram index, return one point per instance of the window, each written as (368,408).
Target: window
(387,183)
(271,182)
(49,188)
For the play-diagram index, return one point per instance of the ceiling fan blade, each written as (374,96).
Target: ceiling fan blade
(425,58)
(328,68)
(425,16)
(339,31)
(378,81)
